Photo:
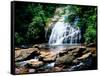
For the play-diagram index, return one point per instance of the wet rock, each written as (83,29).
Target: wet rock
(82,48)
(91,45)
(34,64)
(86,51)
(47,56)
(85,56)
(21,70)
(78,51)
(77,67)
(36,46)
(17,48)
(24,46)
(25,54)
(57,69)
(44,60)
(74,50)
(20,64)
(82,58)
(71,48)
(46,67)
(66,59)
(50,65)
(62,53)
(92,50)
(40,46)
(76,61)
(31,70)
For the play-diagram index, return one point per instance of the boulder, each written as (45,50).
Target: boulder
(71,48)
(40,46)
(78,51)
(16,48)
(36,46)
(47,56)
(92,50)
(82,48)
(24,54)
(34,63)
(21,70)
(85,56)
(66,59)
(62,53)
(31,70)
(75,50)
(82,58)
(57,69)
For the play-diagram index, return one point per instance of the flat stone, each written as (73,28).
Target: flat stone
(84,56)
(34,64)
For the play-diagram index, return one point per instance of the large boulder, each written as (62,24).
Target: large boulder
(47,56)
(66,59)
(24,54)
(76,51)
(82,58)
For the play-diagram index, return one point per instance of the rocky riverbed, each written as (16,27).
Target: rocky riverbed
(42,59)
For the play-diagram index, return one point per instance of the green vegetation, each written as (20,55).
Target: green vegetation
(87,21)
(31,19)
(30,22)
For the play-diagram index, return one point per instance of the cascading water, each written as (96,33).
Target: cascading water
(64,33)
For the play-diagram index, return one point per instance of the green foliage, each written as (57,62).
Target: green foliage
(31,19)
(87,21)
(36,30)
(71,18)
(90,34)
(18,39)
(30,22)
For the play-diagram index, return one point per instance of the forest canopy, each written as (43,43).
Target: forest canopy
(31,19)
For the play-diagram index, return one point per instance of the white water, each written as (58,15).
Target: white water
(64,33)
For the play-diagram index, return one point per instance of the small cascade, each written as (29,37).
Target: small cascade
(64,33)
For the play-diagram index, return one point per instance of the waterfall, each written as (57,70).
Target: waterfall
(64,33)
